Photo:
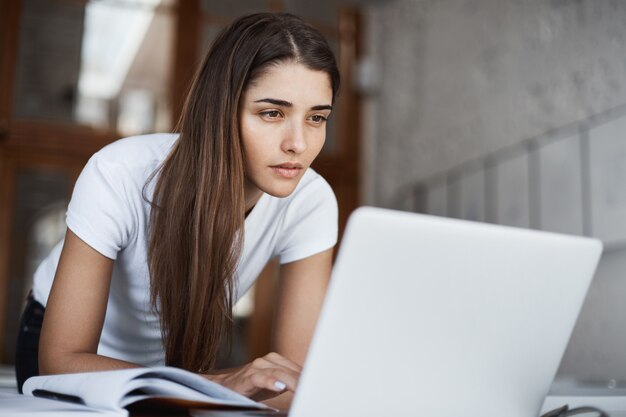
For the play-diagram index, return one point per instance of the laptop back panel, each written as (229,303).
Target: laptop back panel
(435,317)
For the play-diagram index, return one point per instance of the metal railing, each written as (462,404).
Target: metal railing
(571,179)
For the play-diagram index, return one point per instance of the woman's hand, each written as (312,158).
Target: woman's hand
(262,378)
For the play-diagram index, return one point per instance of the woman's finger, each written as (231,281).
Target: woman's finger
(280,360)
(263,378)
(277,380)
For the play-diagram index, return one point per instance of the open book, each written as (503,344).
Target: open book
(116,390)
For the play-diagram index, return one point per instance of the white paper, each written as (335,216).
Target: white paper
(160,381)
(17,405)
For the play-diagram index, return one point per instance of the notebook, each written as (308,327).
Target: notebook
(436,317)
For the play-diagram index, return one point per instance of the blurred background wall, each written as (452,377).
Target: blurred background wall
(457,79)
(503,111)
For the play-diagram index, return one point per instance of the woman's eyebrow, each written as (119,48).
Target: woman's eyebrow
(284,103)
(322,107)
(275,101)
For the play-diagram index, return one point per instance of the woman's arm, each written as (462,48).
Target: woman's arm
(302,288)
(301,291)
(75,312)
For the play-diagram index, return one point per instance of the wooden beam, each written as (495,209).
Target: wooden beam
(7,204)
(52,138)
(341,167)
(186,39)
(9,30)
(9,27)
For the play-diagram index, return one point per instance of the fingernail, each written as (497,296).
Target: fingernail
(280,385)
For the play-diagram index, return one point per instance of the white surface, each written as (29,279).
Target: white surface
(422,308)
(560,193)
(16,405)
(605,400)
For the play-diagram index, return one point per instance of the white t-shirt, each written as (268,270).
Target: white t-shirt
(108,212)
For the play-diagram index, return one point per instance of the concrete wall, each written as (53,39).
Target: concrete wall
(456,79)
(448,81)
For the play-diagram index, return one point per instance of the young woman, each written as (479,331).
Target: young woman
(167,231)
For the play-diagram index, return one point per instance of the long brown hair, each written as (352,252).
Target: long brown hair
(196,223)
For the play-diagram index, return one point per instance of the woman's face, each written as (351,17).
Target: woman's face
(283,126)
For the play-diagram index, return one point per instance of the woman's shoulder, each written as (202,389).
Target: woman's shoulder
(137,150)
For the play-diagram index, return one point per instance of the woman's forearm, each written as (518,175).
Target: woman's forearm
(66,363)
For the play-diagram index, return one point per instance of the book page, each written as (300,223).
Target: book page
(88,386)
(17,405)
(145,388)
(141,383)
(203,385)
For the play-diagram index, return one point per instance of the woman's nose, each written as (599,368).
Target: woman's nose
(295,140)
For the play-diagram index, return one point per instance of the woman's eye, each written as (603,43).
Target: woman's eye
(271,114)
(318,118)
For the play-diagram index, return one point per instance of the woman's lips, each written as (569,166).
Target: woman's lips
(287,170)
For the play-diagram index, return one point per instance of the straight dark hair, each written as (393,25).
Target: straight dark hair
(198,205)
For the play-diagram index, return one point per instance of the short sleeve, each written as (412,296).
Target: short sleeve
(98,213)
(309,225)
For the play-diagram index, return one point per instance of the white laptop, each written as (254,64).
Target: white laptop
(433,317)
